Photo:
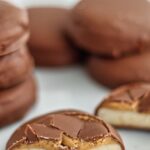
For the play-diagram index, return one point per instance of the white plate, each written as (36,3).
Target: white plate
(70,88)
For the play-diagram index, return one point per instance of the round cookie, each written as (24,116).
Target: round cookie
(13,27)
(66,130)
(15,67)
(111,28)
(48,38)
(16,101)
(115,72)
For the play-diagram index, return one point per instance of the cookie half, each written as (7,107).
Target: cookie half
(16,101)
(127,107)
(65,130)
(111,28)
(14,27)
(48,43)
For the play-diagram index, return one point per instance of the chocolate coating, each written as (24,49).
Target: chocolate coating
(111,28)
(116,72)
(15,67)
(48,43)
(13,27)
(135,95)
(16,101)
(74,124)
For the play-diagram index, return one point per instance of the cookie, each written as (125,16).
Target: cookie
(66,130)
(16,101)
(48,38)
(116,72)
(111,28)
(55,59)
(15,67)
(127,107)
(14,28)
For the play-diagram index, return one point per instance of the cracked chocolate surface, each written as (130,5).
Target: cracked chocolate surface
(73,124)
(137,93)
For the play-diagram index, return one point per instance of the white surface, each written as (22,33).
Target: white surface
(30,3)
(70,88)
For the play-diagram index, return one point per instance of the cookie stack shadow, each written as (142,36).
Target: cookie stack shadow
(17,83)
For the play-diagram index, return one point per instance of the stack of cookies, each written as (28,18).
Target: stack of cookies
(116,35)
(17,85)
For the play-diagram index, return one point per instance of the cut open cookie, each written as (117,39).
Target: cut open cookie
(127,107)
(66,130)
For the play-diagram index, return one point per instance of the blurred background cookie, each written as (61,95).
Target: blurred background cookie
(15,67)
(116,38)
(66,130)
(17,89)
(111,28)
(14,29)
(115,72)
(48,43)
(127,107)
(16,101)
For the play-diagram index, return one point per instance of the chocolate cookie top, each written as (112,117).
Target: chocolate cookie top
(13,24)
(133,97)
(71,124)
(112,28)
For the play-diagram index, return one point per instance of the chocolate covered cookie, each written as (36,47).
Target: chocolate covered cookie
(16,101)
(14,30)
(111,28)
(15,67)
(65,130)
(115,72)
(48,43)
(127,107)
